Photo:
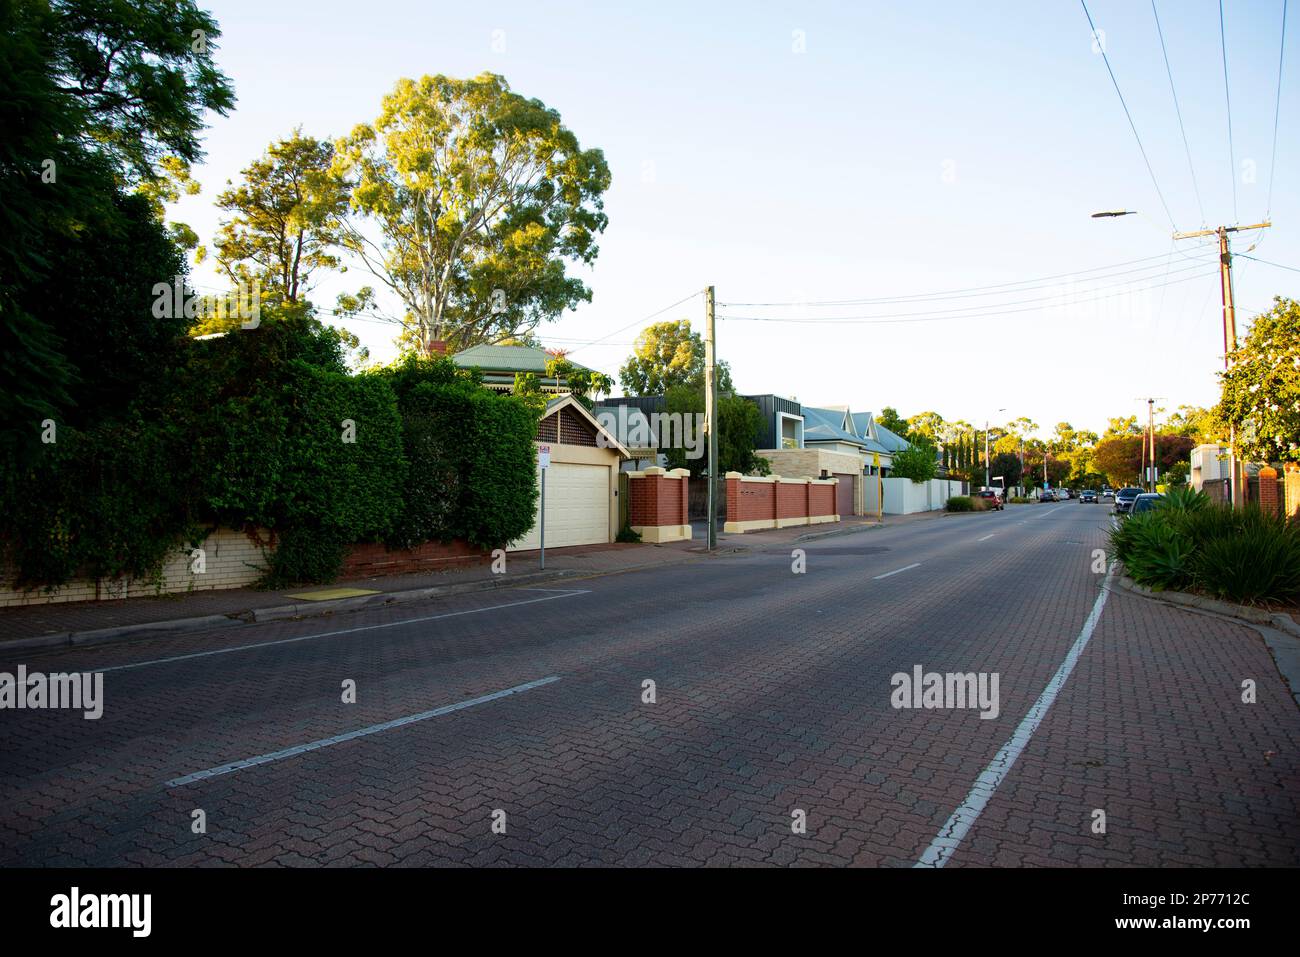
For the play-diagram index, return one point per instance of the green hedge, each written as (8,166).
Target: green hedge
(249,431)
(472,463)
(961,503)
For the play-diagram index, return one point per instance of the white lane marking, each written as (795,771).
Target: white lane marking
(951,834)
(896,571)
(1046,511)
(342,631)
(986,537)
(353,735)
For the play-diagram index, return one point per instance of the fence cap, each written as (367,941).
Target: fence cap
(654,470)
(680,473)
(1268,472)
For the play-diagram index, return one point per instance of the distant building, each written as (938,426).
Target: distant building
(1209,464)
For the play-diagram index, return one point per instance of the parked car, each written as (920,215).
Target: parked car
(992,500)
(1046,495)
(1145,502)
(1064,494)
(1088,497)
(1124,499)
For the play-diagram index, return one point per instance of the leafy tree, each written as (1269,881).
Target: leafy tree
(667,355)
(927,424)
(1122,426)
(915,462)
(891,420)
(93,95)
(480,197)
(1261,389)
(584,384)
(1006,464)
(285,218)
(1120,458)
(1201,425)
(140,75)
(739,421)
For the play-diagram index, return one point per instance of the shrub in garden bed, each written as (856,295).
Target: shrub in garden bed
(964,503)
(1189,543)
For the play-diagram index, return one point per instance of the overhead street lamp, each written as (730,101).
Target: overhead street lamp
(986,452)
(1111,213)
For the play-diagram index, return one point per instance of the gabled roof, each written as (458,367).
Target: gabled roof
(829,425)
(891,440)
(611,441)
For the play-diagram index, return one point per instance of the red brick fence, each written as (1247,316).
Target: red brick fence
(771,501)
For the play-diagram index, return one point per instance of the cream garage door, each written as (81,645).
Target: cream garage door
(577,507)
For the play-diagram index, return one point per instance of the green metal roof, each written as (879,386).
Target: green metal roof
(506,359)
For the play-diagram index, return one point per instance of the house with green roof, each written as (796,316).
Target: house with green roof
(499,364)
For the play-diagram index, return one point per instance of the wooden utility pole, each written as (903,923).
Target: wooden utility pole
(711,413)
(1229,332)
(1151,445)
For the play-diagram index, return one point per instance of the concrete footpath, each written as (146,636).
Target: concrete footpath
(88,622)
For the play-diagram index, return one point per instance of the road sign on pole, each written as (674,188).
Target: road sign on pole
(543,463)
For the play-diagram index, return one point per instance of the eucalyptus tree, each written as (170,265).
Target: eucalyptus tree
(469,202)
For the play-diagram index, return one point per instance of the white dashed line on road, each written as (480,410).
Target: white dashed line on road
(954,831)
(986,537)
(896,571)
(353,735)
(342,631)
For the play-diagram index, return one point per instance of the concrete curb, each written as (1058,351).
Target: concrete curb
(1254,616)
(835,533)
(275,613)
(314,608)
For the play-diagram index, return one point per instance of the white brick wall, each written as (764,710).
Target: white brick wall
(231,559)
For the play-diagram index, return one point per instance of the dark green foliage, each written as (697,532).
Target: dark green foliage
(98,301)
(305,554)
(471,470)
(100,502)
(1188,543)
(627,534)
(961,503)
(268,410)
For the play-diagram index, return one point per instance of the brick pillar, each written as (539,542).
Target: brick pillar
(1268,499)
(733,496)
(1291,481)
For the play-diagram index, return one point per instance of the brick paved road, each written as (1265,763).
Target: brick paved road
(773,694)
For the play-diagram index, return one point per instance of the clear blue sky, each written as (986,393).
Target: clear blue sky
(912,148)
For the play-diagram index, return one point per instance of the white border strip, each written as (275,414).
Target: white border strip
(342,631)
(353,735)
(952,833)
(896,571)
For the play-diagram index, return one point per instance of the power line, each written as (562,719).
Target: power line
(1028,284)
(638,322)
(1017,302)
(1177,109)
(1227,97)
(1266,262)
(1277,108)
(992,313)
(1132,125)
